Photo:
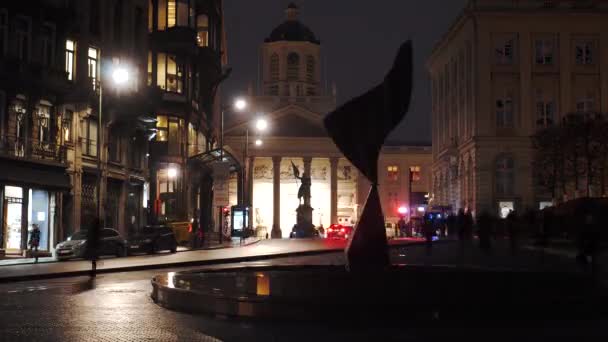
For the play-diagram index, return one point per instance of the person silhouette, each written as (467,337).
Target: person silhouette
(35,240)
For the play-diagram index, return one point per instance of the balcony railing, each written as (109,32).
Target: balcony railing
(31,149)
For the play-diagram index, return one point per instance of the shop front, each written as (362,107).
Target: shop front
(30,194)
(22,208)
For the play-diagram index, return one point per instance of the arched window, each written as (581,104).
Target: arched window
(293,66)
(274,67)
(310,69)
(505,175)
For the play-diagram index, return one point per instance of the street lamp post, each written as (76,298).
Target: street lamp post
(260,125)
(120,76)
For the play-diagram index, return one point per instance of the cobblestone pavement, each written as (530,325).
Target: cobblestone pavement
(117,307)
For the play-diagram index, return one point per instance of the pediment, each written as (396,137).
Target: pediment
(290,121)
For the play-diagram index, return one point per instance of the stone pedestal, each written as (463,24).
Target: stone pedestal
(304,226)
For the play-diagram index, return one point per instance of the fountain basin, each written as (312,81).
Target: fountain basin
(316,293)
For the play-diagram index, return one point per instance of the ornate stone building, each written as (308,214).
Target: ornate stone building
(504,69)
(55,56)
(292,99)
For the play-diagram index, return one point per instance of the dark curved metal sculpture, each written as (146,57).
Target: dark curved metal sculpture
(372,116)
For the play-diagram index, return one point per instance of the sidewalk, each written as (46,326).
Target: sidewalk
(258,251)
(11,260)
(262,250)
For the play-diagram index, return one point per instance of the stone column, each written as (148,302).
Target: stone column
(24,221)
(307,162)
(333,162)
(276,198)
(251,167)
(240,187)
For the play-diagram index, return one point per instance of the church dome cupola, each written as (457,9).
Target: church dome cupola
(292,29)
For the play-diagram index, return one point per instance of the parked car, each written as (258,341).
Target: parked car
(338,231)
(153,239)
(111,243)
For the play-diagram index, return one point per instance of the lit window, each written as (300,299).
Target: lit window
(544,49)
(415,173)
(169,73)
(168,129)
(584,52)
(504,111)
(149,68)
(93,58)
(392,173)
(70,62)
(161,128)
(66,126)
(150,16)
(172,13)
(202,30)
(44,123)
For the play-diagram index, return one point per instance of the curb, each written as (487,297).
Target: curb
(182,251)
(165,266)
(29,277)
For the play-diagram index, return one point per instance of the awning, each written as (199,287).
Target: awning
(206,159)
(34,175)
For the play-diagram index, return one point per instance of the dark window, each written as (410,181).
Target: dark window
(47,46)
(118,23)
(22,35)
(88,137)
(94,11)
(293,66)
(505,175)
(3,31)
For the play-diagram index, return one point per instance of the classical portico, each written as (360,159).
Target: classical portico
(272,187)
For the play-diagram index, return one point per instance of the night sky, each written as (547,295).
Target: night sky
(359,39)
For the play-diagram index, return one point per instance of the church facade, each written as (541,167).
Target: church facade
(291,98)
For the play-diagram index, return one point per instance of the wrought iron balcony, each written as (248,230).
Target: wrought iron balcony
(31,149)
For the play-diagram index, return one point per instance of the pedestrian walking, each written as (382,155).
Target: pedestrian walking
(34,240)
(484,231)
(429,231)
(402,226)
(512,230)
(92,244)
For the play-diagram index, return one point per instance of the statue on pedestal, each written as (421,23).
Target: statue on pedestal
(304,227)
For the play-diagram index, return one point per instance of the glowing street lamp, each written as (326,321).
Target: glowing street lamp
(240,104)
(172,173)
(120,75)
(261,125)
